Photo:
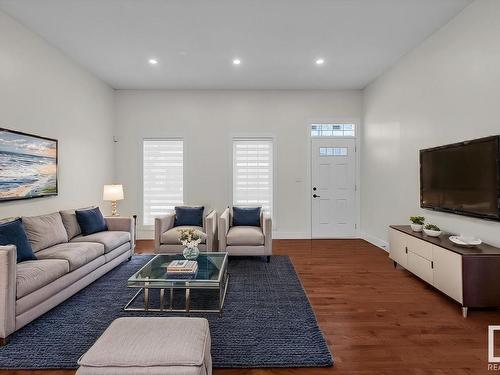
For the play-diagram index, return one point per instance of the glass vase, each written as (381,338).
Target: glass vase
(191,253)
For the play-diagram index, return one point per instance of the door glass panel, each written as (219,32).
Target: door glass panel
(333,151)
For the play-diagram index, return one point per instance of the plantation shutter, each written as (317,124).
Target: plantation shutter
(253,173)
(162,177)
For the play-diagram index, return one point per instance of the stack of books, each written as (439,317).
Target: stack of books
(180,269)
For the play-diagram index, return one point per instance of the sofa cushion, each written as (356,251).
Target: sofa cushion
(171,236)
(148,342)
(246,216)
(189,216)
(70,223)
(91,221)
(242,235)
(45,230)
(77,254)
(110,239)
(13,233)
(35,274)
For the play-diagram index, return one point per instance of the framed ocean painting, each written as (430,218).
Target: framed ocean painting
(28,166)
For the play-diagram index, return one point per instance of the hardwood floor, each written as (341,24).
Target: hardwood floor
(377,319)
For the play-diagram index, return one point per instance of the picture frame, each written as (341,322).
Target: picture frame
(28,166)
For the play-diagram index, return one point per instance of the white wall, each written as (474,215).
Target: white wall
(444,91)
(44,93)
(207,120)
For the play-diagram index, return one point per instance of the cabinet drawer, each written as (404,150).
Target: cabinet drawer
(448,272)
(420,266)
(397,247)
(422,248)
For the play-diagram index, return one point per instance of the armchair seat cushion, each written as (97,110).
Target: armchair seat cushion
(245,236)
(111,239)
(32,275)
(77,254)
(171,236)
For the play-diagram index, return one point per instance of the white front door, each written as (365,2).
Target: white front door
(333,187)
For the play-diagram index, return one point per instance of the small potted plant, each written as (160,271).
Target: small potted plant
(432,230)
(190,238)
(417,223)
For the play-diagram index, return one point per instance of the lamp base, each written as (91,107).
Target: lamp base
(114,210)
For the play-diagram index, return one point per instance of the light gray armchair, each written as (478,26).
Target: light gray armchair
(167,236)
(246,240)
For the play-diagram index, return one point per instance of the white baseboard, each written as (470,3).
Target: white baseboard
(374,240)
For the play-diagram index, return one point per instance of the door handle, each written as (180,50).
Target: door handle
(316,196)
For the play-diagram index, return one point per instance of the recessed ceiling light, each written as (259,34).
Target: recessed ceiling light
(236,62)
(320,61)
(153,61)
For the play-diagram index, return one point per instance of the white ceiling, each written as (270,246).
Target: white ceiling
(195,41)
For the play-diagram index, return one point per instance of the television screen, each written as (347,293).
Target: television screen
(28,166)
(462,178)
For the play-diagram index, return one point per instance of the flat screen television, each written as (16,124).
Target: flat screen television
(462,178)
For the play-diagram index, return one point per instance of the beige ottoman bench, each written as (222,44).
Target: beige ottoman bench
(150,346)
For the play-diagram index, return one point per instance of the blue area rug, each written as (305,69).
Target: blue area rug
(267,320)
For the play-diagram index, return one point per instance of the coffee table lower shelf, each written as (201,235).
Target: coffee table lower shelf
(187,309)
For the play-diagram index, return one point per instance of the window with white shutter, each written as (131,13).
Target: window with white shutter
(163,161)
(253,173)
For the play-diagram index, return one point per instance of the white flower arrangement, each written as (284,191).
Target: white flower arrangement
(190,237)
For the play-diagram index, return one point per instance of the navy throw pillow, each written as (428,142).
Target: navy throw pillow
(91,221)
(191,216)
(12,233)
(247,216)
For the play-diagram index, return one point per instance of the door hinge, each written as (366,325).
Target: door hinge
(355,187)
(432,264)
(406,249)
(355,226)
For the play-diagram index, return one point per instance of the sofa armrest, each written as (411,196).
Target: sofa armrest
(223,228)
(162,224)
(122,223)
(267,229)
(8,266)
(211,230)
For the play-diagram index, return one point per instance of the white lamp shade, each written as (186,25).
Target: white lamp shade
(112,193)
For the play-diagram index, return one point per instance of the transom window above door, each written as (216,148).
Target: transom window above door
(333,130)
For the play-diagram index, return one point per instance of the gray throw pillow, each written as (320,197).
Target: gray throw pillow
(70,223)
(44,231)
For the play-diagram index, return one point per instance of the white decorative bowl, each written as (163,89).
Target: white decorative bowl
(465,241)
(432,233)
(416,227)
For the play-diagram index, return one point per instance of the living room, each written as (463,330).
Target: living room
(148,117)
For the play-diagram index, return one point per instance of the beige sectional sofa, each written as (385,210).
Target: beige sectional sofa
(66,263)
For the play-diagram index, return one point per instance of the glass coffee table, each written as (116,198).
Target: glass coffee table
(212,275)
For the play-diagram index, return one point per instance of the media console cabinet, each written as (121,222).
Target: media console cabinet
(471,276)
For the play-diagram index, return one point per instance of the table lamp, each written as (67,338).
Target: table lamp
(113,193)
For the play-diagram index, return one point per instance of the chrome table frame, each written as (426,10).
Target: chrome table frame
(187,285)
